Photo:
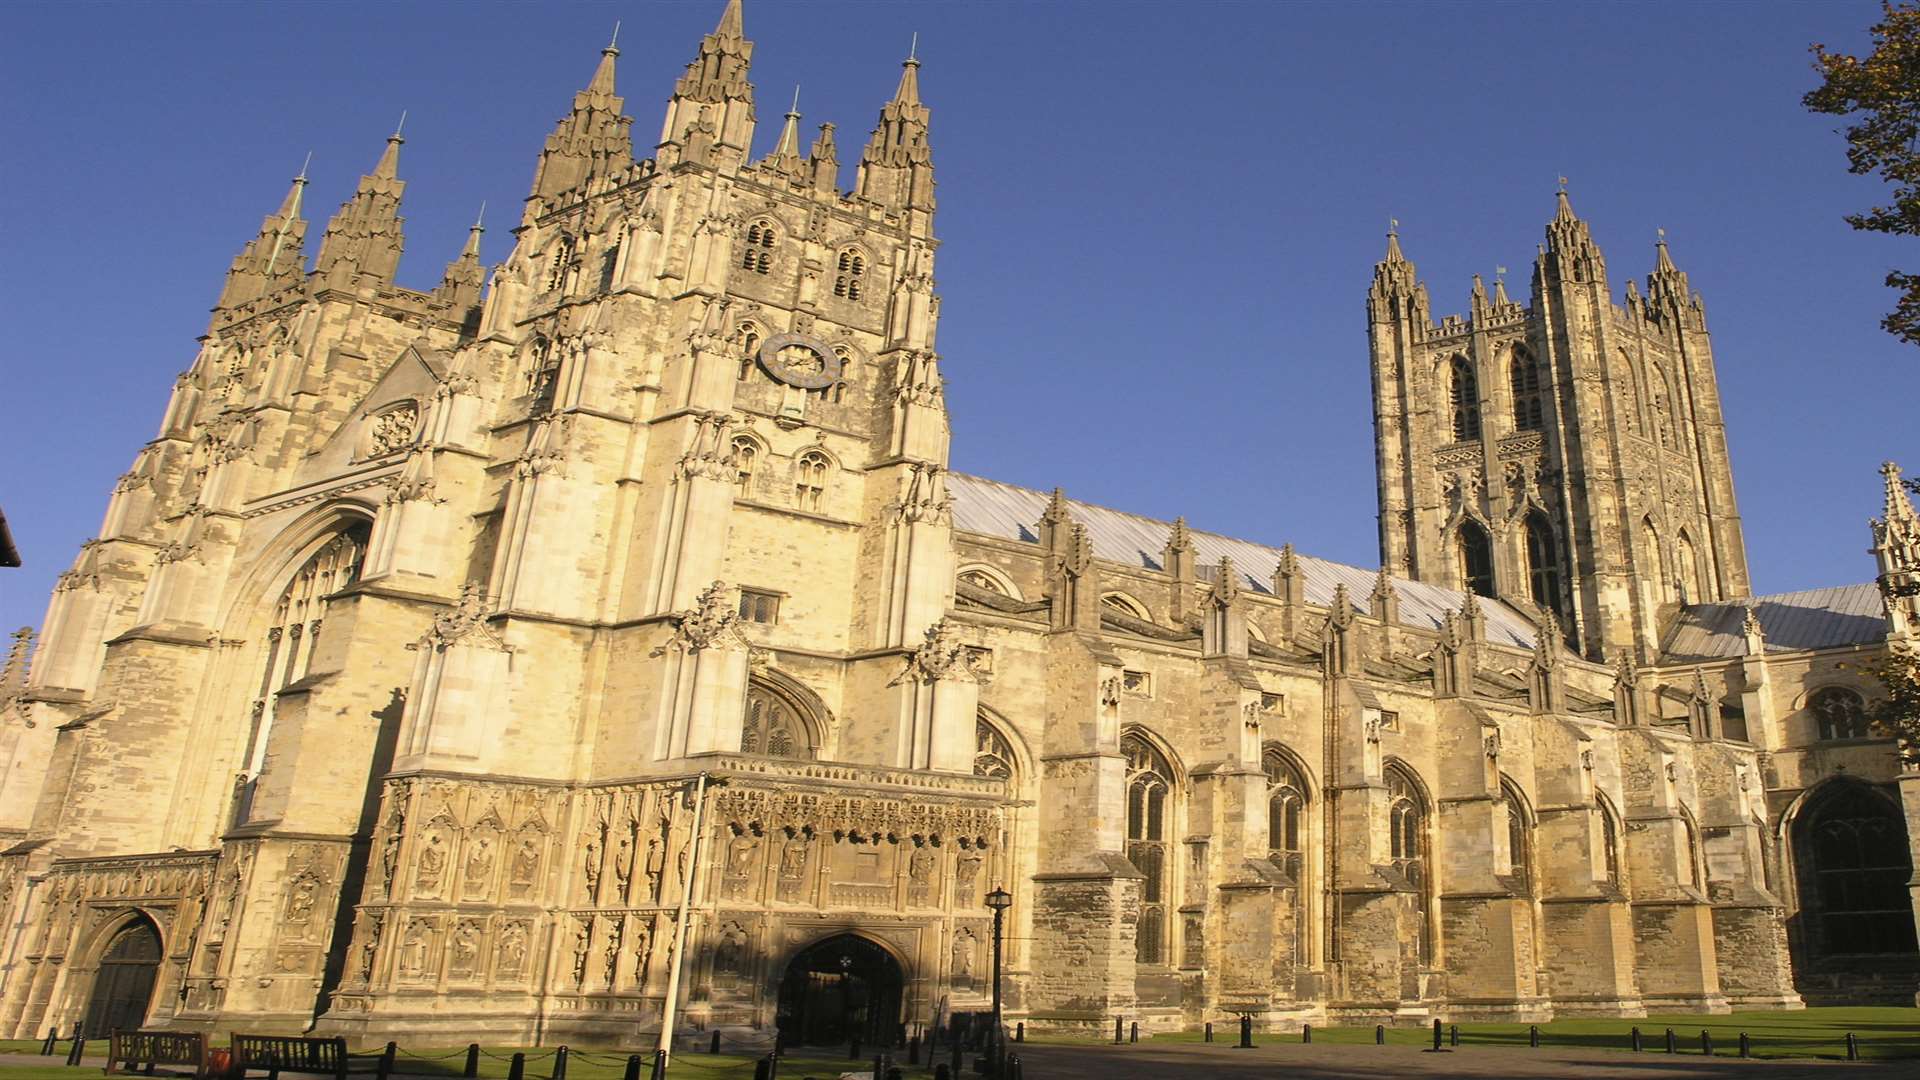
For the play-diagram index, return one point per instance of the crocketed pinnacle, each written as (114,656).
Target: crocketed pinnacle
(900,139)
(591,141)
(785,158)
(719,72)
(1569,241)
(275,257)
(1898,507)
(366,236)
(823,160)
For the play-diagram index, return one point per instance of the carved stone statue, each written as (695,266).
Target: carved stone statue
(480,867)
(966,871)
(920,870)
(963,950)
(623,866)
(582,939)
(416,949)
(433,865)
(612,953)
(656,865)
(466,948)
(730,951)
(591,867)
(511,954)
(526,867)
(793,866)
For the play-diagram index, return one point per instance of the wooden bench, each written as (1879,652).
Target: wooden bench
(292,1054)
(179,1052)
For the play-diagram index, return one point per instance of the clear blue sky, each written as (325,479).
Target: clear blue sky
(1159,220)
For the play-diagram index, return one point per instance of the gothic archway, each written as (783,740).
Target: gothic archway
(1851,861)
(839,987)
(123,988)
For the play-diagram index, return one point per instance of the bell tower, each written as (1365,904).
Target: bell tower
(1567,454)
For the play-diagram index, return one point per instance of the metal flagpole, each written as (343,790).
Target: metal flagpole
(680,926)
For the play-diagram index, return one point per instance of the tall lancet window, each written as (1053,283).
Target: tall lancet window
(1476,559)
(1464,396)
(1149,790)
(1543,564)
(290,641)
(1407,846)
(1529,402)
(1287,831)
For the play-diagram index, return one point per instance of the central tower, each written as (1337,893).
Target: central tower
(1567,455)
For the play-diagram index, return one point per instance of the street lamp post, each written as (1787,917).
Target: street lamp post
(999,900)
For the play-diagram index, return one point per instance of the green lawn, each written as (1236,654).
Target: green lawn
(1883,1032)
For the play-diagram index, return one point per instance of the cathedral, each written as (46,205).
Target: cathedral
(604,630)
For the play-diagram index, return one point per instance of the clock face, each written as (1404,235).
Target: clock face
(800,361)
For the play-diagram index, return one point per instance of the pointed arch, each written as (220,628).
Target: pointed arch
(1543,563)
(762,236)
(1688,576)
(1124,604)
(1851,864)
(1000,751)
(1652,559)
(1696,858)
(1610,867)
(782,717)
(812,468)
(1409,843)
(1529,400)
(1627,379)
(1839,713)
(1475,554)
(850,272)
(1520,824)
(990,578)
(1152,784)
(1463,395)
(748,336)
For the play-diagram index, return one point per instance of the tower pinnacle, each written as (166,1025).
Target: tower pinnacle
(897,165)
(712,104)
(274,258)
(591,141)
(365,237)
(785,157)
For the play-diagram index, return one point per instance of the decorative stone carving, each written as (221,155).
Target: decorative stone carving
(713,621)
(393,429)
(942,655)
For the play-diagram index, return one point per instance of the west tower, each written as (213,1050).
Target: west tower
(1567,454)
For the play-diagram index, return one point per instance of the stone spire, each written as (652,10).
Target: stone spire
(365,238)
(592,141)
(1572,254)
(823,161)
(275,258)
(1896,548)
(1396,287)
(1667,288)
(1477,306)
(785,158)
(896,169)
(1500,301)
(712,104)
(460,285)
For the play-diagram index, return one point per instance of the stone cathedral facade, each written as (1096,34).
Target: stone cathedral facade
(381,699)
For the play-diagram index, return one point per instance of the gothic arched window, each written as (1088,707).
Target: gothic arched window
(1519,835)
(1476,559)
(1149,791)
(1407,845)
(1695,872)
(1125,605)
(1660,398)
(1543,563)
(757,252)
(1464,395)
(1688,575)
(1652,569)
(291,639)
(1609,841)
(810,480)
(1529,404)
(773,726)
(849,274)
(746,454)
(1287,830)
(992,755)
(1628,381)
(1840,713)
(1853,868)
(749,349)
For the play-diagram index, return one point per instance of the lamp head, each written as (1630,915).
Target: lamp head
(999,899)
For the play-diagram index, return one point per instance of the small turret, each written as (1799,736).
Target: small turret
(1572,254)
(785,158)
(592,141)
(823,162)
(1668,293)
(1896,548)
(460,285)
(365,238)
(896,169)
(1477,305)
(1396,291)
(275,258)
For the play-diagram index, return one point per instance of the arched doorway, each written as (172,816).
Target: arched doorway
(1851,854)
(837,988)
(124,986)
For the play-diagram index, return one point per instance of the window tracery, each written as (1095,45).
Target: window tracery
(850,272)
(746,454)
(1149,790)
(773,725)
(1464,396)
(1407,843)
(992,755)
(1125,605)
(1476,559)
(1854,867)
(1529,403)
(1519,836)
(810,480)
(980,579)
(1609,841)
(1841,714)
(1543,563)
(757,252)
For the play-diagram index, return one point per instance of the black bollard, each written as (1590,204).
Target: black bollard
(1438,1035)
(1453,1034)
(1533,1036)
(1853,1047)
(1209,1035)
(1118,1032)
(1706,1042)
(659,1066)
(853,1047)
(473,1062)
(517,1068)
(1246,1033)
(559,1063)
(913,1049)
(80,1047)
(1672,1046)
(879,1066)
(1746,1047)
(955,1049)
(1306,1033)
(1379,1034)
(1633,1040)
(53,1036)
(1015,1071)
(759,1068)
(1020,1032)
(1133,1032)
(633,1069)
(941,1072)
(773,1067)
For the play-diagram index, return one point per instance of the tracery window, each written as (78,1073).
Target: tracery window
(1149,788)
(291,639)
(849,273)
(1629,382)
(1609,842)
(1543,563)
(757,252)
(565,262)
(1688,576)
(1840,713)
(1476,559)
(980,579)
(992,755)
(772,726)
(1519,836)
(746,454)
(1854,867)
(1652,570)
(1125,605)
(1529,404)
(810,480)
(1407,843)
(1692,838)
(749,349)
(1287,829)
(1662,412)
(1464,395)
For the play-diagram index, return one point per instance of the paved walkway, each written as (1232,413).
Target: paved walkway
(1285,1061)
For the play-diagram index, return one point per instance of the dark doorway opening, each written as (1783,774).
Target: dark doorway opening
(124,987)
(838,988)
(1854,871)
